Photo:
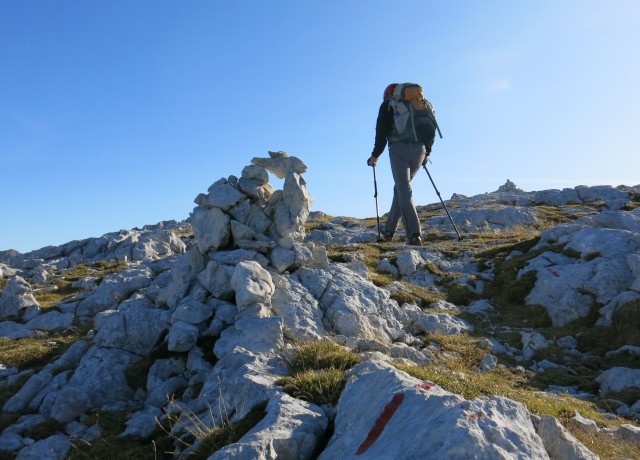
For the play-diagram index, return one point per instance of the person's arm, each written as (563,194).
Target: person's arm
(384,124)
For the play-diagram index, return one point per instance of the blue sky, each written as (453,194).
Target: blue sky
(116,114)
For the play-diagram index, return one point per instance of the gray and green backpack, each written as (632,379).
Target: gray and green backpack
(403,111)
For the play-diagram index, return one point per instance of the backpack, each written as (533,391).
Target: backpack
(402,112)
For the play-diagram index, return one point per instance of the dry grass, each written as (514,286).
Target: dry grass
(62,282)
(317,371)
(322,386)
(110,446)
(455,369)
(35,352)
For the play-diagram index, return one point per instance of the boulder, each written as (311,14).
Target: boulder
(291,429)
(98,381)
(292,210)
(568,287)
(255,172)
(137,330)
(408,262)
(442,323)
(559,442)
(54,447)
(50,321)
(157,245)
(449,427)
(114,289)
(618,379)
(252,284)
(223,195)
(211,227)
(183,274)
(192,311)
(613,198)
(531,343)
(299,310)
(216,278)
(281,164)
(243,378)
(353,306)
(10,442)
(12,330)
(28,391)
(556,197)
(255,335)
(625,432)
(15,298)
(182,336)
(142,424)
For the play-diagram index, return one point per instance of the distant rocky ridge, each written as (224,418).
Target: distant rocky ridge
(253,277)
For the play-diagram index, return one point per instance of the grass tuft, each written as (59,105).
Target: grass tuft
(318,372)
(63,290)
(35,352)
(110,446)
(228,433)
(317,386)
(322,354)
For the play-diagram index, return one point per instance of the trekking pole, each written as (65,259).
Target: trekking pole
(375,195)
(443,205)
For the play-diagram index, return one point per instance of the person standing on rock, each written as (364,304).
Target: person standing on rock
(406,121)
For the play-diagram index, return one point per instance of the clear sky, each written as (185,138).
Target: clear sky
(116,114)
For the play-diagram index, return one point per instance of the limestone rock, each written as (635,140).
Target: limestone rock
(291,429)
(192,312)
(136,330)
(281,164)
(559,442)
(353,305)
(618,379)
(211,227)
(183,274)
(114,289)
(54,447)
(255,335)
(568,286)
(142,424)
(98,381)
(450,427)
(12,330)
(442,323)
(252,284)
(299,310)
(182,336)
(15,298)
(223,195)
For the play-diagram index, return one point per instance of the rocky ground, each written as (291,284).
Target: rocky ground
(260,329)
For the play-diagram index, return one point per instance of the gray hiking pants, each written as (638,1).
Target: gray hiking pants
(406,159)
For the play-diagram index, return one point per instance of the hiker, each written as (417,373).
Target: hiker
(406,122)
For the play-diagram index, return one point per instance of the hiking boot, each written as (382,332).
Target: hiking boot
(387,237)
(415,240)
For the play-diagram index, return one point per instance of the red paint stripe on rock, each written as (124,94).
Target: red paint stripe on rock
(426,386)
(381,423)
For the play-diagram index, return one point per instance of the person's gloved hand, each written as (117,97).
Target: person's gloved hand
(372,161)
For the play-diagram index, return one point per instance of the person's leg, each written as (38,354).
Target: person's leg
(393,218)
(406,159)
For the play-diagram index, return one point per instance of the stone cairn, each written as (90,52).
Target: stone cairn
(242,222)
(247,213)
